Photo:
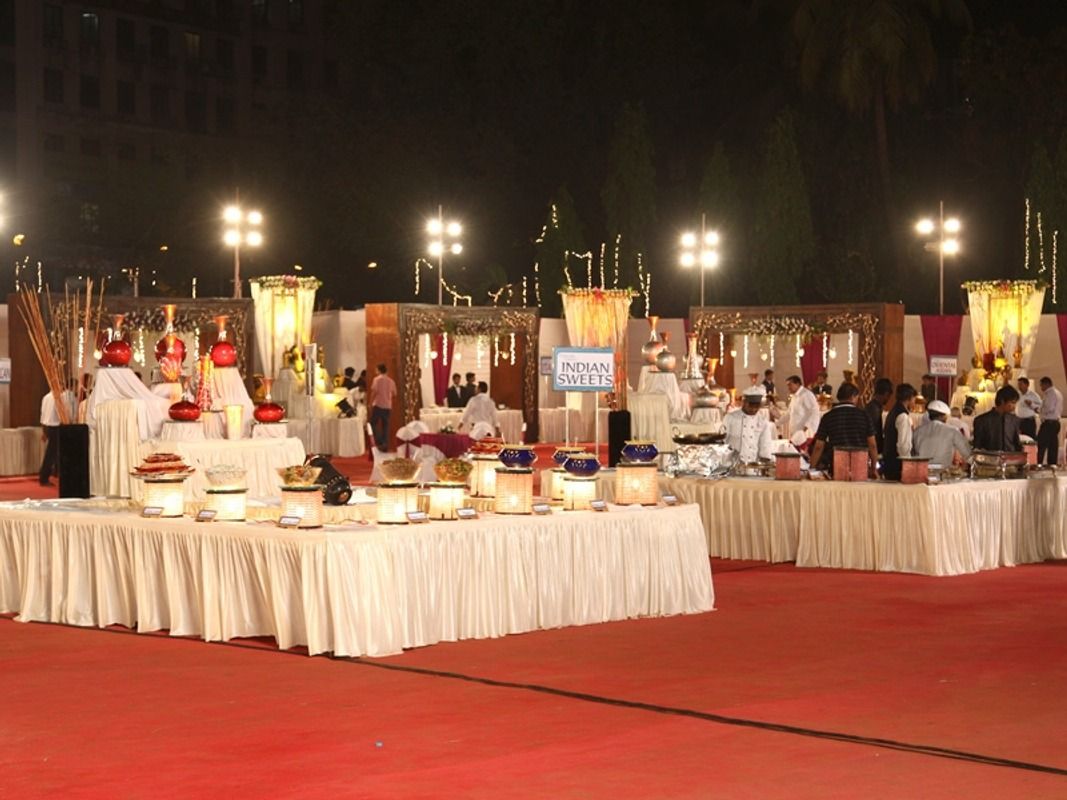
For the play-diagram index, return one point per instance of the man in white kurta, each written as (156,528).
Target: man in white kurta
(480,408)
(804,412)
(747,431)
(939,441)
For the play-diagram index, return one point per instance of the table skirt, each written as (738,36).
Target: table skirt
(21,450)
(351,591)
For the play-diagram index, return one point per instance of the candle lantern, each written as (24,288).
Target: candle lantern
(395,500)
(304,502)
(578,492)
(636,483)
(229,505)
(483,476)
(167,494)
(514,491)
(235,417)
(445,498)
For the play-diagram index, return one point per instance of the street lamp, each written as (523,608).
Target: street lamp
(943,246)
(443,237)
(702,251)
(242,228)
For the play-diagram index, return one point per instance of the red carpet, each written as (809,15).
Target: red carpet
(975,664)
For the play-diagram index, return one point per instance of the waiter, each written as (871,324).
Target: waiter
(1048,435)
(50,423)
(748,432)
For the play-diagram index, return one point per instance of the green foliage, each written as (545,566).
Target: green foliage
(563,232)
(722,201)
(783,239)
(629,193)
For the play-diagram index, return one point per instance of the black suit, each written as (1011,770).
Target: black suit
(468,391)
(454,396)
(993,431)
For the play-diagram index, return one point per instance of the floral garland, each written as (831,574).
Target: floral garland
(1004,288)
(599,293)
(762,326)
(287,282)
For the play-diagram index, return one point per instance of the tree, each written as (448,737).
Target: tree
(562,233)
(873,56)
(629,193)
(783,240)
(720,199)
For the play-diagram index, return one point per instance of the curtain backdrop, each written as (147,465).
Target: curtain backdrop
(442,366)
(1061,324)
(811,361)
(941,337)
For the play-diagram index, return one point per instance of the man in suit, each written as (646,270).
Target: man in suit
(470,388)
(998,428)
(454,395)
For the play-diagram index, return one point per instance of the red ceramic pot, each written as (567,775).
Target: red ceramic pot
(170,345)
(184,411)
(223,354)
(116,353)
(268,412)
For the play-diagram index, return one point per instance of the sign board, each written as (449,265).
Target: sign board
(467,513)
(583,369)
(417,517)
(944,366)
(289,521)
(5,370)
(541,508)
(206,515)
(545,366)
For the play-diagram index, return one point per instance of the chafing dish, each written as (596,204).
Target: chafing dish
(998,464)
(700,460)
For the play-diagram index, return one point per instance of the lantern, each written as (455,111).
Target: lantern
(483,476)
(578,492)
(304,502)
(229,505)
(168,495)
(445,498)
(395,500)
(636,483)
(514,491)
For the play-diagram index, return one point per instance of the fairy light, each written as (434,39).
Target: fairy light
(444,348)
(496,351)
(1055,240)
(196,341)
(772,349)
(1040,244)
(1026,237)
(511,353)
(618,247)
(744,353)
(603,249)
(825,348)
(851,348)
(38,277)
(524,304)
(456,296)
(722,345)
(799,350)
(537,283)
(139,355)
(425,350)
(567,267)
(479,351)
(81,347)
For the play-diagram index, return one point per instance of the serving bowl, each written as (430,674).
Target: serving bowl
(639,451)
(452,470)
(226,476)
(399,470)
(563,453)
(516,456)
(299,474)
(583,465)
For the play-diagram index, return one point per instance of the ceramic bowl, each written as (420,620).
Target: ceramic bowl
(638,451)
(299,474)
(226,476)
(563,453)
(452,470)
(517,456)
(584,465)
(399,470)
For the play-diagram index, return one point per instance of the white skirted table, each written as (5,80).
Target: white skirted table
(351,590)
(337,436)
(510,421)
(259,457)
(228,389)
(120,383)
(650,419)
(932,530)
(21,450)
(653,381)
(552,425)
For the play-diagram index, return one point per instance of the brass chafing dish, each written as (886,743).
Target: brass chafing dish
(754,469)
(998,464)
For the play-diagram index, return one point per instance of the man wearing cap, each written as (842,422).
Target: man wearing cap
(844,425)
(747,431)
(938,441)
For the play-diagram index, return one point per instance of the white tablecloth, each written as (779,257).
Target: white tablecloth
(350,590)
(510,421)
(338,437)
(933,530)
(259,456)
(120,383)
(228,389)
(270,430)
(174,431)
(552,424)
(666,383)
(21,450)
(650,418)
(114,447)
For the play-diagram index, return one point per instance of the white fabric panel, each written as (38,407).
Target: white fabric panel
(352,590)
(120,383)
(552,424)
(114,448)
(650,418)
(270,430)
(228,389)
(343,334)
(174,431)
(21,450)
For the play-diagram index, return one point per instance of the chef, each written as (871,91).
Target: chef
(748,432)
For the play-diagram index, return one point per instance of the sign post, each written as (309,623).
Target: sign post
(584,369)
(943,367)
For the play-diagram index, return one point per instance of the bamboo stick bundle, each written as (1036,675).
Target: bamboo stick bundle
(30,310)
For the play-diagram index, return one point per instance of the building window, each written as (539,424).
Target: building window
(53,85)
(294,69)
(90,91)
(192,47)
(7,22)
(329,73)
(52,19)
(296,13)
(90,147)
(224,55)
(89,28)
(125,38)
(160,104)
(196,111)
(126,98)
(259,64)
(54,143)
(126,151)
(224,114)
(260,13)
(159,44)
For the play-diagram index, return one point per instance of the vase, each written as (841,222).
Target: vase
(268,411)
(203,386)
(651,348)
(117,352)
(639,451)
(223,353)
(665,359)
(693,360)
(584,465)
(170,347)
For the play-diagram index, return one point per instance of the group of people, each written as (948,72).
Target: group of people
(884,426)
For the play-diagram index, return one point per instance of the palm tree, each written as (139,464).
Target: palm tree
(872,54)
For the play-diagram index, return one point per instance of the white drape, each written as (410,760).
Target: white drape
(283,315)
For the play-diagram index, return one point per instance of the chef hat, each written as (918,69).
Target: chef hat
(754,393)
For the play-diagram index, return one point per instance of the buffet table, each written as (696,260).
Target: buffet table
(510,420)
(351,590)
(21,450)
(949,529)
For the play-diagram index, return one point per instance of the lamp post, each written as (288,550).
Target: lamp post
(703,251)
(443,237)
(242,227)
(949,245)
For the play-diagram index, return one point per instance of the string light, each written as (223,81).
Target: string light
(425,350)
(772,349)
(603,248)
(196,341)
(81,347)
(722,345)
(1026,238)
(444,348)
(825,348)
(479,351)
(1055,239)
(512,351)
(1040,244)
(524,304)
(567,267)
(537,283)
(851,348)
(744,357)
(456,296)
(496,351)
(799,350)
(139,355)
(618,240)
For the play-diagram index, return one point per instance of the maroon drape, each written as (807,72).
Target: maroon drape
(941,337)
(1061,324)
(811,362)
(442,367)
